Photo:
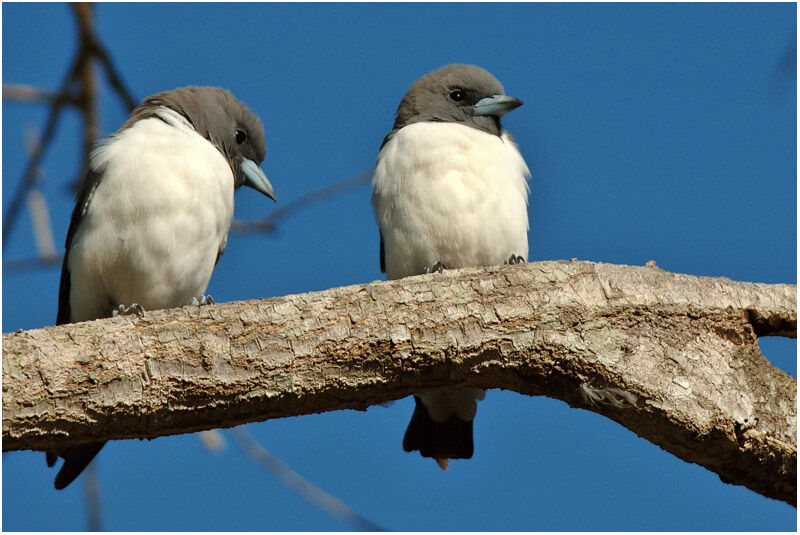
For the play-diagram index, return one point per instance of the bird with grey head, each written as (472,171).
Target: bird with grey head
(153,213)
(450,190)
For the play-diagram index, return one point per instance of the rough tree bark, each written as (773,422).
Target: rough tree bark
(672,357)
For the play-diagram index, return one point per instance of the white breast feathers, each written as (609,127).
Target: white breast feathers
(450,193)
(156,222)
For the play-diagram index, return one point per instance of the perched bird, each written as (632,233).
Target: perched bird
(153,213)
(450,190)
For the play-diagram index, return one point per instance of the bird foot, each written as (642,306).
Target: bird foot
(203,300)
(515,259)
(442,463)
(438,267)
(122,310)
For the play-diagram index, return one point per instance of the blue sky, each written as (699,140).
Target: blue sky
(657,131)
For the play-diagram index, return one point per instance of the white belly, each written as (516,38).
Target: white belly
(156,222)
(449,193)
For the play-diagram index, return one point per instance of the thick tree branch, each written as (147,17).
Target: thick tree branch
(677,354)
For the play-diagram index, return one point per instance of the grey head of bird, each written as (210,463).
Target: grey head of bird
(457,93)
(223,120)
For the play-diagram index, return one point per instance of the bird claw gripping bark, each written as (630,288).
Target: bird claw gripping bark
(203,300)
(515,259)
(122,310)
(438,267)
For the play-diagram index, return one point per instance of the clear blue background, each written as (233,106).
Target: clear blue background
(663,132)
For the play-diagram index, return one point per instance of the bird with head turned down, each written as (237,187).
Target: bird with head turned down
(450,190)
(152,214)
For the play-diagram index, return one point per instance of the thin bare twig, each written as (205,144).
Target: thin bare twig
(42,229)
(87,95)
(27,93)
(297,483)
(77,89)
(113,76)
(32,169)
(24,265)
(212,440)
(269,223)
(31,174)
(91,490)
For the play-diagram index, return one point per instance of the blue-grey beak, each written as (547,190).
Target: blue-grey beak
(255,178)
(497,105)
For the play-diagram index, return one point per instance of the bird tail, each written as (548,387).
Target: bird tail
(451,439)
(76,458)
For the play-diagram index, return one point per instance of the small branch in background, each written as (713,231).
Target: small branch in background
(31,173)
(87,93)
(92,493)
(24,265)
(28,93)
(298,484)
(42,229)
(113,76)
(269,223)
(212,440)
(77,89)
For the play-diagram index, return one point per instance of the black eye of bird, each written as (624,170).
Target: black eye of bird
(241,136)
(457,95)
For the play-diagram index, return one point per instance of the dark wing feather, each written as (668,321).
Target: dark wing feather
(451,439)
(383,251)
(387,138)
(85,192)
(76,458)
(383,254)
